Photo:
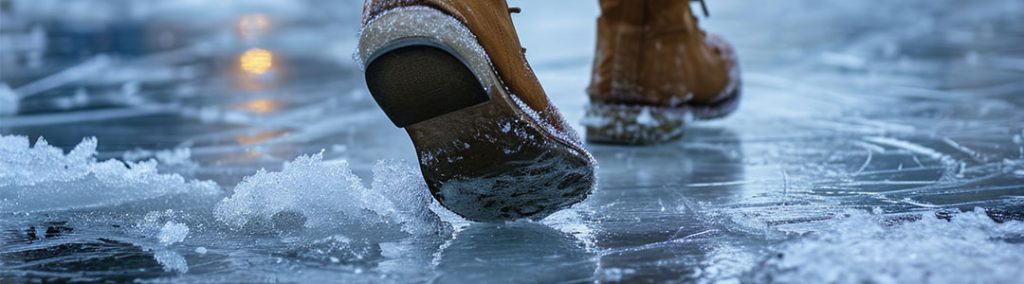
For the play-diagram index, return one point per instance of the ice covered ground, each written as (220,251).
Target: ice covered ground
(877,143)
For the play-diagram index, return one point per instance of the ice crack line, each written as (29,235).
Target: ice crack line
(912,147)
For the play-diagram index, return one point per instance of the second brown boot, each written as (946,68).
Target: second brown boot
(655,70)
(452,73)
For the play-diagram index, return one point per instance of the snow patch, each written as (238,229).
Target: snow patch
(42,178)
(326,197)
(162,227)
(865,248)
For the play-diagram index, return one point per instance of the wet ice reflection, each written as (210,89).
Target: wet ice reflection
(252,26)
(525,252)
(859,141)
(261,106)
(256,61)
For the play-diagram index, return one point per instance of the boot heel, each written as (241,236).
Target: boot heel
(483,153)
(415,79)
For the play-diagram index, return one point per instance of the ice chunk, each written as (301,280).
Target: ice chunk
(326,197)
(162,227)
(172,233)
(23,165)
(171,261)
(864,248)
(42,178)
(8,100)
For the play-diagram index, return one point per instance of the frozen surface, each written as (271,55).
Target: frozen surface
(859,248)
(8,101)
(877,142)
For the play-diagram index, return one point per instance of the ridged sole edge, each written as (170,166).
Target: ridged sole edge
(646,125)
(518,167)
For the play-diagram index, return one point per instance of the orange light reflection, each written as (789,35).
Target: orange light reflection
(253,25)
(260,137)
(256,61)
(261,106)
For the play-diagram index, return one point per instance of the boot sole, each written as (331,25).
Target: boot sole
(482,154)
(404,80)
(646,125)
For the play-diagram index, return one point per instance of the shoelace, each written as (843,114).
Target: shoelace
(516,10)
(703,6)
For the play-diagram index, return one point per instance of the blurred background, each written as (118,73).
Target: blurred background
(861,122)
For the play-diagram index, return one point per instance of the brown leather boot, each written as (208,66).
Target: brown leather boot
(655,70)
(452,73)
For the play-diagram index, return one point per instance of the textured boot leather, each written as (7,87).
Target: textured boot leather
(491,22)
(652,52)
